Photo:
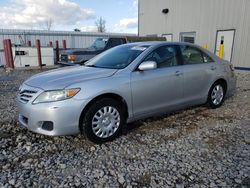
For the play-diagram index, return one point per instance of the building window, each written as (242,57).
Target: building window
(187,37)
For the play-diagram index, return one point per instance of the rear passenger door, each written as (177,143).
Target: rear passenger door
(199,70)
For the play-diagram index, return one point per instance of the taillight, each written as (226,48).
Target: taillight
(231,67)
(72,57)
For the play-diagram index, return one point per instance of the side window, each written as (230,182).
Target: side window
(123,41)
(108,44)
(165,56)
(207,58)
(191,55)
(116,42)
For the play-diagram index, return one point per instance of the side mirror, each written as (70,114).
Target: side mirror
(147,65)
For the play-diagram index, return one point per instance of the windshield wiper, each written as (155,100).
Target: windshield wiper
(90,66)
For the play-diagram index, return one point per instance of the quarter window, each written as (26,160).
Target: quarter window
(165,56)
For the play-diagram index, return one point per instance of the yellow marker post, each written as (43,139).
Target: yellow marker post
(221,51)
(205,46)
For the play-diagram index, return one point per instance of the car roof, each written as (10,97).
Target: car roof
(153,43)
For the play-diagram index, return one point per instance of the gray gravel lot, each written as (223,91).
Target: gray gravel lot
(198,147)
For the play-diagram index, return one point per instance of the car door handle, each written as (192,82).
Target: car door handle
(213,68)
(178,73)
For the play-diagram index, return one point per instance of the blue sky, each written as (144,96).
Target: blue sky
(120,15)
(112,10)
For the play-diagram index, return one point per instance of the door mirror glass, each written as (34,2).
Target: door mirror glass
(147,65)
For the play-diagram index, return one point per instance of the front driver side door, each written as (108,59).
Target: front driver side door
(159,89)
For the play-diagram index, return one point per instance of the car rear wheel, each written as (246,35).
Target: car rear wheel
(104,120)
(216,95)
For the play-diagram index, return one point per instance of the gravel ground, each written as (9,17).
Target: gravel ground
(198,147)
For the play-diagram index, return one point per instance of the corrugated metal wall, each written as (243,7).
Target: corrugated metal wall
(73,39)
(2,60)
(204,17)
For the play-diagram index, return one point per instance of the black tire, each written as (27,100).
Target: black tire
(86,123)
(210,100)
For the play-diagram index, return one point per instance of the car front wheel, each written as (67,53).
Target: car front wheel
(216,95)
(104,120)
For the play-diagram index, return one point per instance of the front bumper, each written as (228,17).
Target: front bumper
(61,116)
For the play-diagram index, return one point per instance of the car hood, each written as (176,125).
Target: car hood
(63,77)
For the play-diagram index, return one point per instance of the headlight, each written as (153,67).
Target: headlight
(56,95)
(72,57)
(20,88)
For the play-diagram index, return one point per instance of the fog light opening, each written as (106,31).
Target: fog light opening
(47,125)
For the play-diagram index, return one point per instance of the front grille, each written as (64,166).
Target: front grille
(64,57)
(25,95)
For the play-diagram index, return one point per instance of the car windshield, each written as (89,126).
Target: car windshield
(117,58)
(99,43)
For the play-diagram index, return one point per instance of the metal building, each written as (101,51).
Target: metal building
(205,22)
(73,39)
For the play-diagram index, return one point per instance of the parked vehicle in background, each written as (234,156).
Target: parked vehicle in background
(123,84)
(79,56)
(101,44)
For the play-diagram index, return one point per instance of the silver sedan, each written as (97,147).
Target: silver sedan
(121,85)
